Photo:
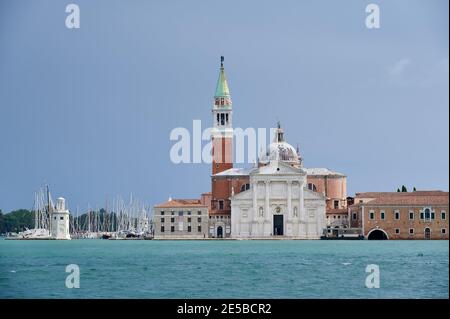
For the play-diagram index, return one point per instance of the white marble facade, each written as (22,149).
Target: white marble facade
(278,204)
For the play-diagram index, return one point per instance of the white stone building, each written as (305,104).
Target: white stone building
(278,202)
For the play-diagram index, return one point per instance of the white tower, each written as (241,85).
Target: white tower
(59,228)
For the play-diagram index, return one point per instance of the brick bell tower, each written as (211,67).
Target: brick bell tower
(222,129)
(222,153)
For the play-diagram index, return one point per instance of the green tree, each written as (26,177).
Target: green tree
(414,189)
(16,221)
(404,189)
(398,190)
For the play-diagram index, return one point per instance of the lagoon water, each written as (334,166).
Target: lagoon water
(224,269)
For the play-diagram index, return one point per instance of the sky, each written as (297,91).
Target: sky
(89,111)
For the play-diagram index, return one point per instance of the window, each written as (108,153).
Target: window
(312,187)
(443,231)
(54,218)
(61,218)
(189,229)
(172,228)
(411,231)
(339,216)
(421,215)
(336,204)
(397,230)
(427,213)
(354,216)
(189,219)
(221,217)
(220,204)
(382,215)
(222,119)
(411,215)
(443,217)
(162,229)
(226,118)
(371,215)
(397,215)
(199,219)
(180,213)
(172,213)
(245,187)
(172,220)
(432,215)
(199,212)
(199,229)
(162,213)
(188,213)
(334,216)
(162,220)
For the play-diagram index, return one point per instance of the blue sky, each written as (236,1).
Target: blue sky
(89,111)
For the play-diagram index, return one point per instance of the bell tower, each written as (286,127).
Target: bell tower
(222,129)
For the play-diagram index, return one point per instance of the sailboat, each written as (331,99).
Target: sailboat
(42,220)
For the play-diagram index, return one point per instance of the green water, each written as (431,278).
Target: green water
(224,269)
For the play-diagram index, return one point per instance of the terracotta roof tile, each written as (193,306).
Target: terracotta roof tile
(181,203)
(410,198)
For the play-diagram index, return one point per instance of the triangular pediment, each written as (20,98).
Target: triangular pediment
(278,168)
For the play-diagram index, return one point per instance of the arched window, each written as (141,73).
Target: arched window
(296,211)
(427,213)
(312,187)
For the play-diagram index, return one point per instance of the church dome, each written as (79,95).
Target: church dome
(280,150)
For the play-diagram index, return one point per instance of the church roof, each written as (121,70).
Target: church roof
(177,203)
(235,171)
(277,167)
(321,171)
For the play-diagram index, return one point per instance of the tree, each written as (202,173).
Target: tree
(16,221)
(404,189)
(414,189)
(398,190)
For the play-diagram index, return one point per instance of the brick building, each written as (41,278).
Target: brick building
(394,215)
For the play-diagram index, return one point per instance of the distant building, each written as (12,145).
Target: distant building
(180,218)
(394,215)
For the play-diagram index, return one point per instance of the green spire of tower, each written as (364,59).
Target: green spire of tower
(222,89)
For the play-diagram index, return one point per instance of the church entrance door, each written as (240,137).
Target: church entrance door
(219,232)
(278,225)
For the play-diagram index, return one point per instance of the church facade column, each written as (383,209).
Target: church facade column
(267,223)
(255,206)
(301,211)
(267,202)
(289,199)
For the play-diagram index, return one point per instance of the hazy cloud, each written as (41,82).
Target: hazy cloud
(399,67)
